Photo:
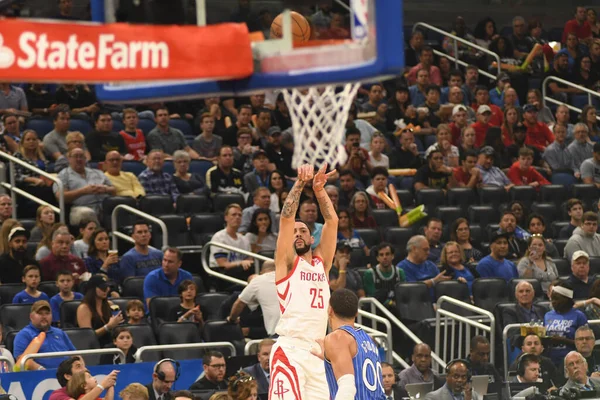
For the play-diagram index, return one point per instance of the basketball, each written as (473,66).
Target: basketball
(300,27)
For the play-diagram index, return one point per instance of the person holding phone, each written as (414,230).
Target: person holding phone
(451,261)
(95,311)
(536,264)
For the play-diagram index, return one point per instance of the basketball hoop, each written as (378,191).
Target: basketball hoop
(319,123)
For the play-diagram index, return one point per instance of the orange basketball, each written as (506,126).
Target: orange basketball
(300,27)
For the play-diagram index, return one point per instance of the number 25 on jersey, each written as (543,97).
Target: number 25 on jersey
(317,298)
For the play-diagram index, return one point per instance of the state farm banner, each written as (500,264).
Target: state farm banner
(50,51)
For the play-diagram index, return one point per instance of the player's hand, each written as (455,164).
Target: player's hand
(318,351)
(305,173)
(320,179)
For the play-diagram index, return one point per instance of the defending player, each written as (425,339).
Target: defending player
(302,282)
(351,359)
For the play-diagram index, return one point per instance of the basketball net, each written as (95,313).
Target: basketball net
(319,123)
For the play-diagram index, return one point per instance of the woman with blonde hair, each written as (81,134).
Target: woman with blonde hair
(452,262)
(536,264)
(134,391)
(7,226)
(82,383)
(44,220)
(243,386)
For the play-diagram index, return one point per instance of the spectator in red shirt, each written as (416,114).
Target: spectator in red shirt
(538,134)
(468,175)
(459,123)
(482,97)
(482,125)
(61,258)
(426,62)
(511,118)
(521,173)
(579,26)
(134,138)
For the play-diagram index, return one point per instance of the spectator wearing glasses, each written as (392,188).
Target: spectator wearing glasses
(576,372)
(585,237)
(125,183)
(434,174)
(214,366)
(584,343)
(75,140)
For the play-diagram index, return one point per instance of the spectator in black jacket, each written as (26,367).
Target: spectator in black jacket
(214,373)
(480,359)
(13,262)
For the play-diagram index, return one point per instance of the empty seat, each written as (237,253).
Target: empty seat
(385,218)
(118,126)
(200,167)
(525,194)
(556,228)
(457,290)
(406,197)
(398,237)
(431,199)
(492,196)
(211,304)
(68,313)
(9,290)
(124,218)
(40,126)
(222,200)
(179,333)
(413,301)
(462,197)
(563,179)
(478,234)
(554,194)
(588,194)
(133,286)
(135,167)
(146,125)
(177,229)
(487,292)
(449,214)
(182,125)
(9,340)
(15,316)
(49,287)
(537,287)
(190,204)
(27,223)
(84,339)
(562,266)
(157,204)
(203,226)
(594,265)
(200,283)
(223,331)
(483,215)
(547,210)
(560,246)
(160,309)
(80,125)
(370,236)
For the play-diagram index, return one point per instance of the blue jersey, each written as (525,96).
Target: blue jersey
(367,368)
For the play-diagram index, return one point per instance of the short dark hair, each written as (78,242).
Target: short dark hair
(101,112)
(425,48)
(63,272)
(535,216)
(525,359)
(352,130)
(434,88)
(344,303)
(183,286)
(182,393)
(590,216)
(382,246)
(30,267)
(379,171)
(118,330)
(479,88)
(209,355)
(525,152)
(476,340)
(347,172)
(61,108)
(572,203)
(65,368)
(456,72)
(140,222)
(468,153)
(263,111)
(176,251)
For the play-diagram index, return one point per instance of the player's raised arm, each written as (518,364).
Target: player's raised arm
(284,256)
(338,350)
(326,248)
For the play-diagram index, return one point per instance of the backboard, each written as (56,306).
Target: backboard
(375,51)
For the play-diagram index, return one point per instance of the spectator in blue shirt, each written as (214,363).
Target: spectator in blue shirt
(56,340)
(141,259)
(31,294)
(64,282)
(165,281)
(417,267)
(452,261)
(496,265)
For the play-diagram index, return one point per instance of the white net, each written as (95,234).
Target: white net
(319,123)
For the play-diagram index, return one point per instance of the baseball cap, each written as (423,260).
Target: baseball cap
(529,108)
(483,109)
(458,108)
(274,130)
(499,235)
(579,254)
(487,150)
(39,305)
(259,153)
(97,281)
(342,245)
(18,231)
(503,76)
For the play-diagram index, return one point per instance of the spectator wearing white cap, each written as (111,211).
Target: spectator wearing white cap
(580,279)
(482,125)
(585,237)
(459,123)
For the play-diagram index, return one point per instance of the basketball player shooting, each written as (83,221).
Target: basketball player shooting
(301,277)
(351,358)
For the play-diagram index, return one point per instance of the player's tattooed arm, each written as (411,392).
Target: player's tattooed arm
(292,201)
(325,205)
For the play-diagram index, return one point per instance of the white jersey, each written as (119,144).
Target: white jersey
(303,299)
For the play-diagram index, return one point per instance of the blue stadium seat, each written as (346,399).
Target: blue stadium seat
(134,167)
(80,125)
(169,168)
(118,126)
(40,126)
(554,194)
(182,125)
(200,167)
(146,125)
(563,179)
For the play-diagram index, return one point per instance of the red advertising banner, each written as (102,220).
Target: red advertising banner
(50,51)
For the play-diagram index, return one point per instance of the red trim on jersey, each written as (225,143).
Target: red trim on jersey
(285,293)
(296,261)
(323,264)
(280,356)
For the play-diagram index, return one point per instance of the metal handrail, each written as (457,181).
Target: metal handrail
(514,326)
(251,343)
(119,235)
(11,363)
(158,347)
(15,190)
(465,42)
(376,305)
(211,271)
(548,99)
(387,335)
(467,321)
(71,353)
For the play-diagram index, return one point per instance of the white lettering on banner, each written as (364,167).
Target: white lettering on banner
(107,53)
